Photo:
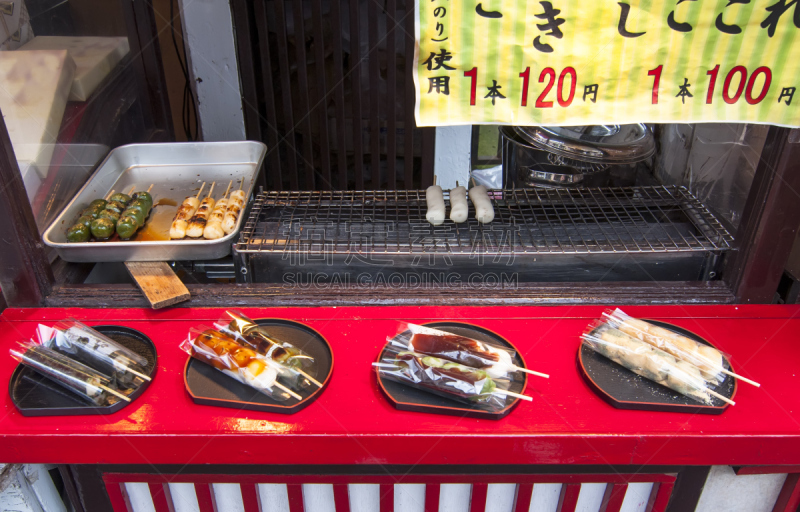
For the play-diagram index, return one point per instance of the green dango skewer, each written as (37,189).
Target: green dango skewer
(135,214)
(81,231)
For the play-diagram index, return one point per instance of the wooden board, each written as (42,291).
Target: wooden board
(158,282)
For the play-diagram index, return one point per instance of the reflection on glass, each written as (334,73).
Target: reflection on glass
(66,93)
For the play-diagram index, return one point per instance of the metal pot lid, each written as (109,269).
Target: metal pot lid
(555,174)
(606,144)
(510,133)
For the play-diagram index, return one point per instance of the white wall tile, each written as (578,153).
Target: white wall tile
(545,497)
(590,498)
(636,497)
(409,497)
(228,497)
(364,497)
(454,497)
(727,492)
(184,497)
(318,498)
(139,496)
(500,497)
(273,497)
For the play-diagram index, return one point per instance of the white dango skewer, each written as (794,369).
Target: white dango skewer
(459,208)
(185,212)
(435,202)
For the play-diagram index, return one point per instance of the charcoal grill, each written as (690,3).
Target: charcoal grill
(538,235)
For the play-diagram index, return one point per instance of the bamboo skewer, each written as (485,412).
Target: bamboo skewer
(724,399)
(287,390)
(743,379)
(145,377)
(200,191)
(227,189)
(150,187)
(309,377)
(211,190)
(538,374)
(132,189)
(110,194)
(115,393)
(511,393)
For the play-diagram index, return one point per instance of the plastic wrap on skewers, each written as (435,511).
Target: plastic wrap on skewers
(705,357)
(242,363)
(445,378)
(84,344)
(495,360)
(298,367)
(649,362)
(90,384)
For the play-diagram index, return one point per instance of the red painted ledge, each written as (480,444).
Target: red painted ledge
(351,423)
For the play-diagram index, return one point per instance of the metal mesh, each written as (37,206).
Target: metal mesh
(588,220)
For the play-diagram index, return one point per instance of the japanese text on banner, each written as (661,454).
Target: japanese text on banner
(579,62)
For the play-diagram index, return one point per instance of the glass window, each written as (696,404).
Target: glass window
(70,90)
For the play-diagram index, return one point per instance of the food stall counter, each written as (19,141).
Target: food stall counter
(353,423)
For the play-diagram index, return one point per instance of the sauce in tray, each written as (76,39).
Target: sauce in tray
(156,228)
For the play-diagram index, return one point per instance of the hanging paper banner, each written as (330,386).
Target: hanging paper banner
(581,62)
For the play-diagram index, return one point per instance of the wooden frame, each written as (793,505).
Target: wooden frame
(26,276)
(769,222)
(98,488)
(570,489)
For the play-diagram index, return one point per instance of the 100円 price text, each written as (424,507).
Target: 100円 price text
(730,86)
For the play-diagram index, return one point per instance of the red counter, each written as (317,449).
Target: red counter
(352,423)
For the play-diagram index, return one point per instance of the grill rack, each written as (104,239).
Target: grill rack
(661,219)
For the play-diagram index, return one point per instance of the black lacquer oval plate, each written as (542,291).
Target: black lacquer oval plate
(209,386)
(36,395)
(406,398)
(624,389)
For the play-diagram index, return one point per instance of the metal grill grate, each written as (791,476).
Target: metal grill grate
(575,221)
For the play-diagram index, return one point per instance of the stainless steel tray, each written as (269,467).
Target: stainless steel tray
(176,170)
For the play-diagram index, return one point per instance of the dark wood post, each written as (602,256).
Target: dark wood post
(770,220)
(25,275)
(148,68)
(688,488)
